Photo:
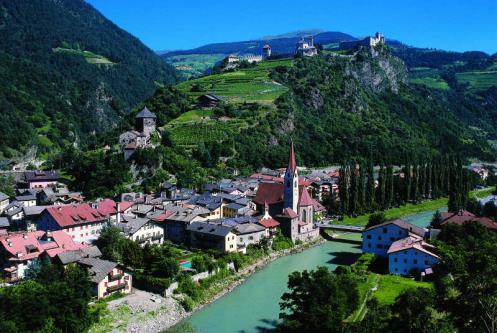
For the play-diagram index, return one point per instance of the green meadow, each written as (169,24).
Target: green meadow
(90,57)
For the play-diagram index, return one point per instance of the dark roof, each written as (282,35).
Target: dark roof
(234,206)
(402,224)
(28,197)
(4,222)
(3,196)
(131,224)
(145,113)
(209,228)
(98,268)
(68,257)
(32,176)
(212,97)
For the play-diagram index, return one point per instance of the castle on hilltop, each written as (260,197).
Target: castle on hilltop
(369,42)
(306,48)
(140,136)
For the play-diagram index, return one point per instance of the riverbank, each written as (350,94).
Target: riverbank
(144,312)
(411,209)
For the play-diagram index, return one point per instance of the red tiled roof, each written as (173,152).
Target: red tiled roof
(270,193)
(162,217)
(67,216)
(463,216)
(305,198)
(17,244)
(412,241)
(269,222)
(130,146)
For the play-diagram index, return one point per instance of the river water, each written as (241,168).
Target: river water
(253,307)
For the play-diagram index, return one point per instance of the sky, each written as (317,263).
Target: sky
(459,25)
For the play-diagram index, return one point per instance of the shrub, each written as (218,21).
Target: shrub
(150,283)
(187,303)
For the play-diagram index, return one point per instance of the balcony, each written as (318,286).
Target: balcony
(117,287)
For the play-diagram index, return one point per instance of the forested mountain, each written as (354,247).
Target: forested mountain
(67,72)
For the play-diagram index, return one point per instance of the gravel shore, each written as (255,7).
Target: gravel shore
(151,313)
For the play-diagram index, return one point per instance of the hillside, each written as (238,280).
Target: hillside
(341,106)
(67,72)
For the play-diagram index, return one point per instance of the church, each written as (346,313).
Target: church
(289,203)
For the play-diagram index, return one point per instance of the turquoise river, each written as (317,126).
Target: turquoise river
(254,305)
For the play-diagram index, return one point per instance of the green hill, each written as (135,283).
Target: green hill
(333,107)
(67,72)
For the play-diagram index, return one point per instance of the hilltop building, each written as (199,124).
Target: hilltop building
(306,48)
(266,51)
(145,125)
(369,42)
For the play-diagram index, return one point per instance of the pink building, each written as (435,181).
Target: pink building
(41,179)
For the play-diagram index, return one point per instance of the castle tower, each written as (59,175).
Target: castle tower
(291,183)
(145,121)
(266,51)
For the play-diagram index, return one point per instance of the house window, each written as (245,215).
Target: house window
(396,269)
(394,259)
(379,246)
(379,237)
(369,245)
(426,262)
(405,261)
(415,261)
(392,239)
(400,232)
(384,230)
(368,236)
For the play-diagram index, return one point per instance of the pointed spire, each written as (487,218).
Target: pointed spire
(292,165)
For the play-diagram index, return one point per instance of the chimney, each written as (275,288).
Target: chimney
(118,209)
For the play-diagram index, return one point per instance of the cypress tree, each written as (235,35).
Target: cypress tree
(353,192)
(370,187)
(407,180)
(343,186)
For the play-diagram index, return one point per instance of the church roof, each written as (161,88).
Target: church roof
(288,212)
(292,165)
(145,113)
(270,193)
(305,198)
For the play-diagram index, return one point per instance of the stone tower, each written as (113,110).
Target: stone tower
(291,183)
(145,121)
(266,51)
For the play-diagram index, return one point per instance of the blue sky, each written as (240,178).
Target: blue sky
(459,25)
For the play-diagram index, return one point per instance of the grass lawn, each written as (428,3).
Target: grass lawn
(410,209)
(193,115)
(391,286)
(244,85)
(431,82)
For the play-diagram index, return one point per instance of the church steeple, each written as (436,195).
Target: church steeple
(291,193)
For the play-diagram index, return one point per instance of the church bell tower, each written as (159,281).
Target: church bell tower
(291,182)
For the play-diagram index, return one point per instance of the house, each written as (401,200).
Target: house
(4,201)
(212,236)
(31,216)
(248,233)
(213,203)
(82,222)
(209,100)
(20,249)
(107,277)
(378,239)
(58,196)
(41,179)
(141,229)
(28,200)
(72,256)
(410,254)
(234,209)
(176,223)
(464,216)
(14,212)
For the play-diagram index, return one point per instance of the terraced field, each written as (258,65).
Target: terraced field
(479,80)
(429,77)
(244,85)
(194,64)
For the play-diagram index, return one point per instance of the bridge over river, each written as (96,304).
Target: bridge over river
(340,227)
